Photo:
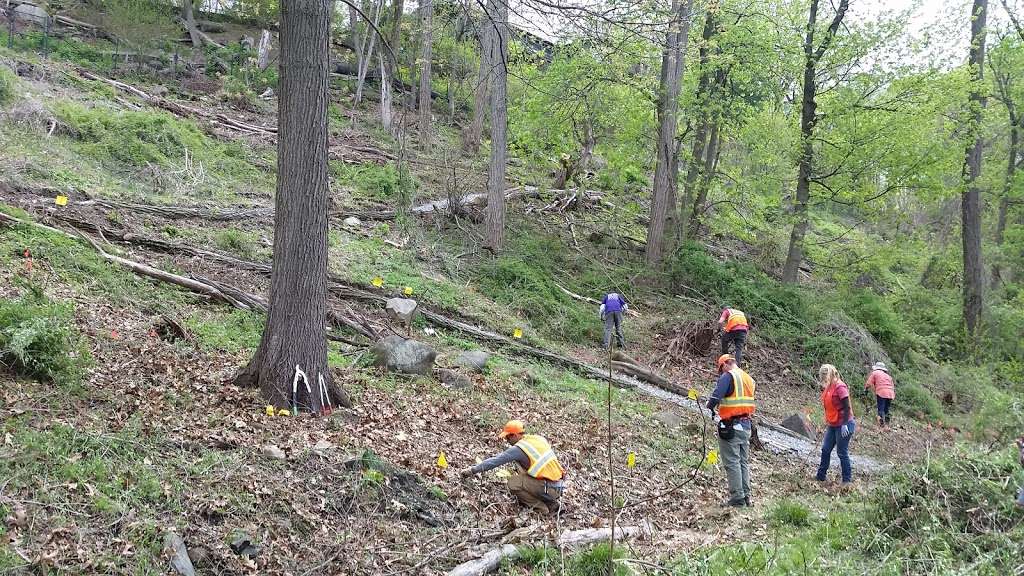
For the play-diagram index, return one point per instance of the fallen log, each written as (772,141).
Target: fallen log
(494,557)
(183,212)
(627,365)
(349,291)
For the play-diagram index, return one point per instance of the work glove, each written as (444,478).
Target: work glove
(845,430)
(466,472)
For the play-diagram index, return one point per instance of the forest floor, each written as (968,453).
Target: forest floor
(156,438)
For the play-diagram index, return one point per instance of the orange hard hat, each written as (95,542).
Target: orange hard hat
(512,427)
(723,359)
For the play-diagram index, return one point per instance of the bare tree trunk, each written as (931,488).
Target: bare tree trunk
(808,120)
(263,50)
(389,69)
(295,333)
(427,23)
(190,24)
(665,171)
(386,117)
(700,138)
(702,185)
(497,14)
(473,136)
(363,66)
(970,203)
(1004,199)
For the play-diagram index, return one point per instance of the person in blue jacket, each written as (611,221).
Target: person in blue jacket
(613,306)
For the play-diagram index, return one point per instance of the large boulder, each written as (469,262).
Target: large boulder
(800,424)
(398,354)
(402,310)
(473,360)
(30,13)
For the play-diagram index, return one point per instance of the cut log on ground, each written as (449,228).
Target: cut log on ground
(491,560)
(627,365)
(348,291)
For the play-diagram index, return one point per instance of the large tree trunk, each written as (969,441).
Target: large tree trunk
(970,203)
(497,14)
(389,67)
(295,332)
(474,134)
(427,25)
(808,120)
(190,24)
(665,170)
(263,50)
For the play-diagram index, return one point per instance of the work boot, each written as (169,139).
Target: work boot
(746,501)
(735,503)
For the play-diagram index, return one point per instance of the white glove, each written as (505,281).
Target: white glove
(845,430)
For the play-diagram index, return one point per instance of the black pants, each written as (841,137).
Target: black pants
(737,337)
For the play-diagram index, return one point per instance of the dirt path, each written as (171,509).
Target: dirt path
(779,442)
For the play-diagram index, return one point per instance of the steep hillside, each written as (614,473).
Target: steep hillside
(121,423)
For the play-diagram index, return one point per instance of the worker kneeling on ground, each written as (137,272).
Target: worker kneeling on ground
(538,484)
(734,398)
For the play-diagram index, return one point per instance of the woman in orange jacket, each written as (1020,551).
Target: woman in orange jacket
(835,396)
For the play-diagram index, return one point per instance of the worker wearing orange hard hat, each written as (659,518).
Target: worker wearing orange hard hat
(538,481)
(734,399)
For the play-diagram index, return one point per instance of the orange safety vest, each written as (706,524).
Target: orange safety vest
(737,319)
(741,401)
(831,402)
(543,464)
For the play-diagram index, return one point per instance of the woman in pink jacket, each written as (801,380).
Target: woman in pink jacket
(881,382)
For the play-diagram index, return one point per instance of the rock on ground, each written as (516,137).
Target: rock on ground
(473,360)
(180,561)
(398,354)
(668,418)
(402,309)
(800,424)
(454,379)
(273,452)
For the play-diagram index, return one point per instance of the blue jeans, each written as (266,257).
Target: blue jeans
(883,408)
(834,439)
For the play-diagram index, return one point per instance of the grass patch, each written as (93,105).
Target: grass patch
(790,513)
(38,339)
(372,181)
(593,561)
(237,241)
(8,86)
(233,332)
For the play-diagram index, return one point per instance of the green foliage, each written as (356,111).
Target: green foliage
(593,561)
(373,181)
(790,513)
(38,339)
(8,86)
(235,331)
(141,23)
(236,241)
(875,314)
(949,513)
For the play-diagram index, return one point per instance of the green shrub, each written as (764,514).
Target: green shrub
(790,513)
(8,86)
(955,511)
(875,314)
(38,339)
(916,400)
(372,181)
(590,562)
(237,241)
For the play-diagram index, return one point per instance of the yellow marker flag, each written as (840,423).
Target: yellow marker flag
(407,291)
(442,462)
(713,457)
(517,333)
(631,460)
(270,410)
(377,282)
(692,394)
(61,200)
(286,412)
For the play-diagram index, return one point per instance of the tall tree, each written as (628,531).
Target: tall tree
(426,54)
(190,24)
(474,134)
(970,202)
(295,333)
(808,120)
(1004,74)
(663,196)
(497,58)
(388,67)
(364,50)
